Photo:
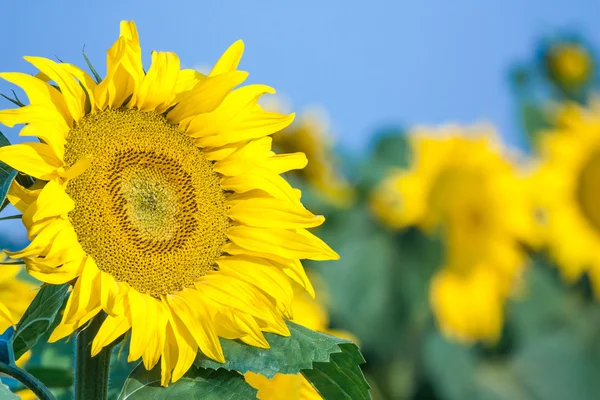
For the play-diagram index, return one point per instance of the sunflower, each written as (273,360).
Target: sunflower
(461,186)
(569,64)
(161,202)
(311,314)
(570,193)
(310,135)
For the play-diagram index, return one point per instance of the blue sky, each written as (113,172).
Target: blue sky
(370,64)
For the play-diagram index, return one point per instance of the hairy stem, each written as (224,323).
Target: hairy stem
(30,381)
(91,373)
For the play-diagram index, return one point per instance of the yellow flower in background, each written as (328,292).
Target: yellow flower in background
(569,193)
(469,306)
(15,295)
(162,202)
(310,135)
(569,64)
(461,185)
(313,315)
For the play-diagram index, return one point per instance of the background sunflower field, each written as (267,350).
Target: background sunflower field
(455,153)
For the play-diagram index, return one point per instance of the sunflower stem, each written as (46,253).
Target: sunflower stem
(30,381)
(91,373)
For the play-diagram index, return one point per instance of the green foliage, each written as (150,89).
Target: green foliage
(287,355)
(7,356)
(197,383)
(39,317)
(53,377)
(341,377)
(6,394)
(331,364)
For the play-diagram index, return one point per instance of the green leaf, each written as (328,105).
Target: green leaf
(450,366)
(7,174)
(7,355)
(53,377)
(331,364)
(197,383)
(97,76)
(39,317)
(6,394)
(341,378)
(287,355)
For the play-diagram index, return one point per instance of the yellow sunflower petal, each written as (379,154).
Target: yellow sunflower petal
(187,349)
(52,202)
(63,330)
(112,328)
(142,323)
(237,105)
(230,59)
(158,86)
(273,213)
(281,242)
(21,197)
(84,293)
(262,274)
(34,159)
(74,94)
(43,122)
(257,124)
(206,95)
(263,179)
(40,93)
(194,315)
(286,162)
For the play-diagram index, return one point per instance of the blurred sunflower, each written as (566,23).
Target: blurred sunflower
(161,202)
(15,297)
(568,64)
(310,135)
(311,314)
(569,183)
(461,185)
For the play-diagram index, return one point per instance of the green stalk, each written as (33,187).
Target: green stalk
(91,373)
(30,381)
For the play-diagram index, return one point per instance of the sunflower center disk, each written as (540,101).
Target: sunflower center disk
(588,190)
(149,209)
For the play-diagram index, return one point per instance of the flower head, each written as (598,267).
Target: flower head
(159,198)
(568,64)
(462,186)
(569,192)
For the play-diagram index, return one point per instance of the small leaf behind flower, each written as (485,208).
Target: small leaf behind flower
(197,383)
(39,317)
